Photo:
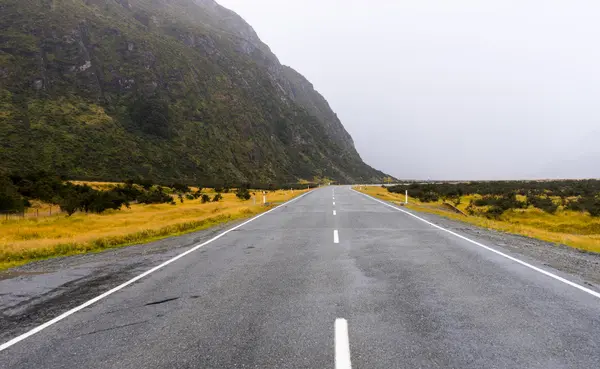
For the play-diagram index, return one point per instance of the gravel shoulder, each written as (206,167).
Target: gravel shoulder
(37,292)
(583,265)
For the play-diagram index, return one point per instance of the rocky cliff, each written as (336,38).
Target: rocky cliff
(161,89)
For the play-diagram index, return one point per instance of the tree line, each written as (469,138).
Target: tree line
(500,196)
(17,191)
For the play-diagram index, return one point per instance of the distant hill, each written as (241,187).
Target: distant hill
(159,89)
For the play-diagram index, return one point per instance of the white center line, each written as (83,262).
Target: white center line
(334,212)
(336,237)
(334,203)
(342,345)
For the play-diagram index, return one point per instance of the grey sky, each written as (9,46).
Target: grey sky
(450,89)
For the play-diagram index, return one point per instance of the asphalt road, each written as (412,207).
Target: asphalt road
(267,295)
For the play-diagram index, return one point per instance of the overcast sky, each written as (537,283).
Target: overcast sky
(455,89)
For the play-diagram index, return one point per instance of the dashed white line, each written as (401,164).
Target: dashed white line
(342,345)
(334,203)
(334,212)
(39,328)
(540,270)
(336,236)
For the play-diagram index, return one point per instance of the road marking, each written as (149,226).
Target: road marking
(334,203)
(336,237)
(39,328)
(342,345)
(540,270)
(334,212)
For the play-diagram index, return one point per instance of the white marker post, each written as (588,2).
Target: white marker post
(406,198)
(264,197)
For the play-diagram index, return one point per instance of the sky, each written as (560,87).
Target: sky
(438,89)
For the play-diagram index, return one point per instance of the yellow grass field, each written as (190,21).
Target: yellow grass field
(569,228)
(28,239)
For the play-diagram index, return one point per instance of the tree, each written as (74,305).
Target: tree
(243,194)
(151,116)
(70,202)
(10,200)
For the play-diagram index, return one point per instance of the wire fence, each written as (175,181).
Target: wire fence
(30,213)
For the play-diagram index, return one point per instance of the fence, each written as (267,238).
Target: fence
(30,213)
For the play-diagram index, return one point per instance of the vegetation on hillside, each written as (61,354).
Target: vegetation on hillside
(165,90)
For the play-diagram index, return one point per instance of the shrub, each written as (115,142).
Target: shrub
(205,198)
(70,202)
(155,197)
(544,203)
(243,194)
(590,204)
(10,199)
(218,197)
(495,212)
(428,197)
(178,187)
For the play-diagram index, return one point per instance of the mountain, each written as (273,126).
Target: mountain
(160,89)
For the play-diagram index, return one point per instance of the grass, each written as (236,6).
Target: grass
(569,228)
(30,239)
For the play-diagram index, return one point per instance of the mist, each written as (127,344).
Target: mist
(450,90)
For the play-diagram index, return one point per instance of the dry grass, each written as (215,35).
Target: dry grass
(29,239)
(569,228)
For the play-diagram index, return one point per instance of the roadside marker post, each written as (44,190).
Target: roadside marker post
(406,198)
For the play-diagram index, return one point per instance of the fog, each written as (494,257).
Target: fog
(450,89)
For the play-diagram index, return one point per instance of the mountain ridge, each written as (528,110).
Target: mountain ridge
(161,89)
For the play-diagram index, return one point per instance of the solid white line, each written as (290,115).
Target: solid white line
(334,212)
(39,328)
(540,270)
(336,237)
(342,345)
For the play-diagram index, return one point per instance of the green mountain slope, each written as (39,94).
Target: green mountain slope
(161,89)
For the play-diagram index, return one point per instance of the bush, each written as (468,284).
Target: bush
(428,197)
(178,187)
(10,200)
(243,194)
(70,202)
(218,197)
(544,203)
(590,204)
(155,197)
(495,212)
(205,198)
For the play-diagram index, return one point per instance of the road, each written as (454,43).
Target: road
(331,275)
